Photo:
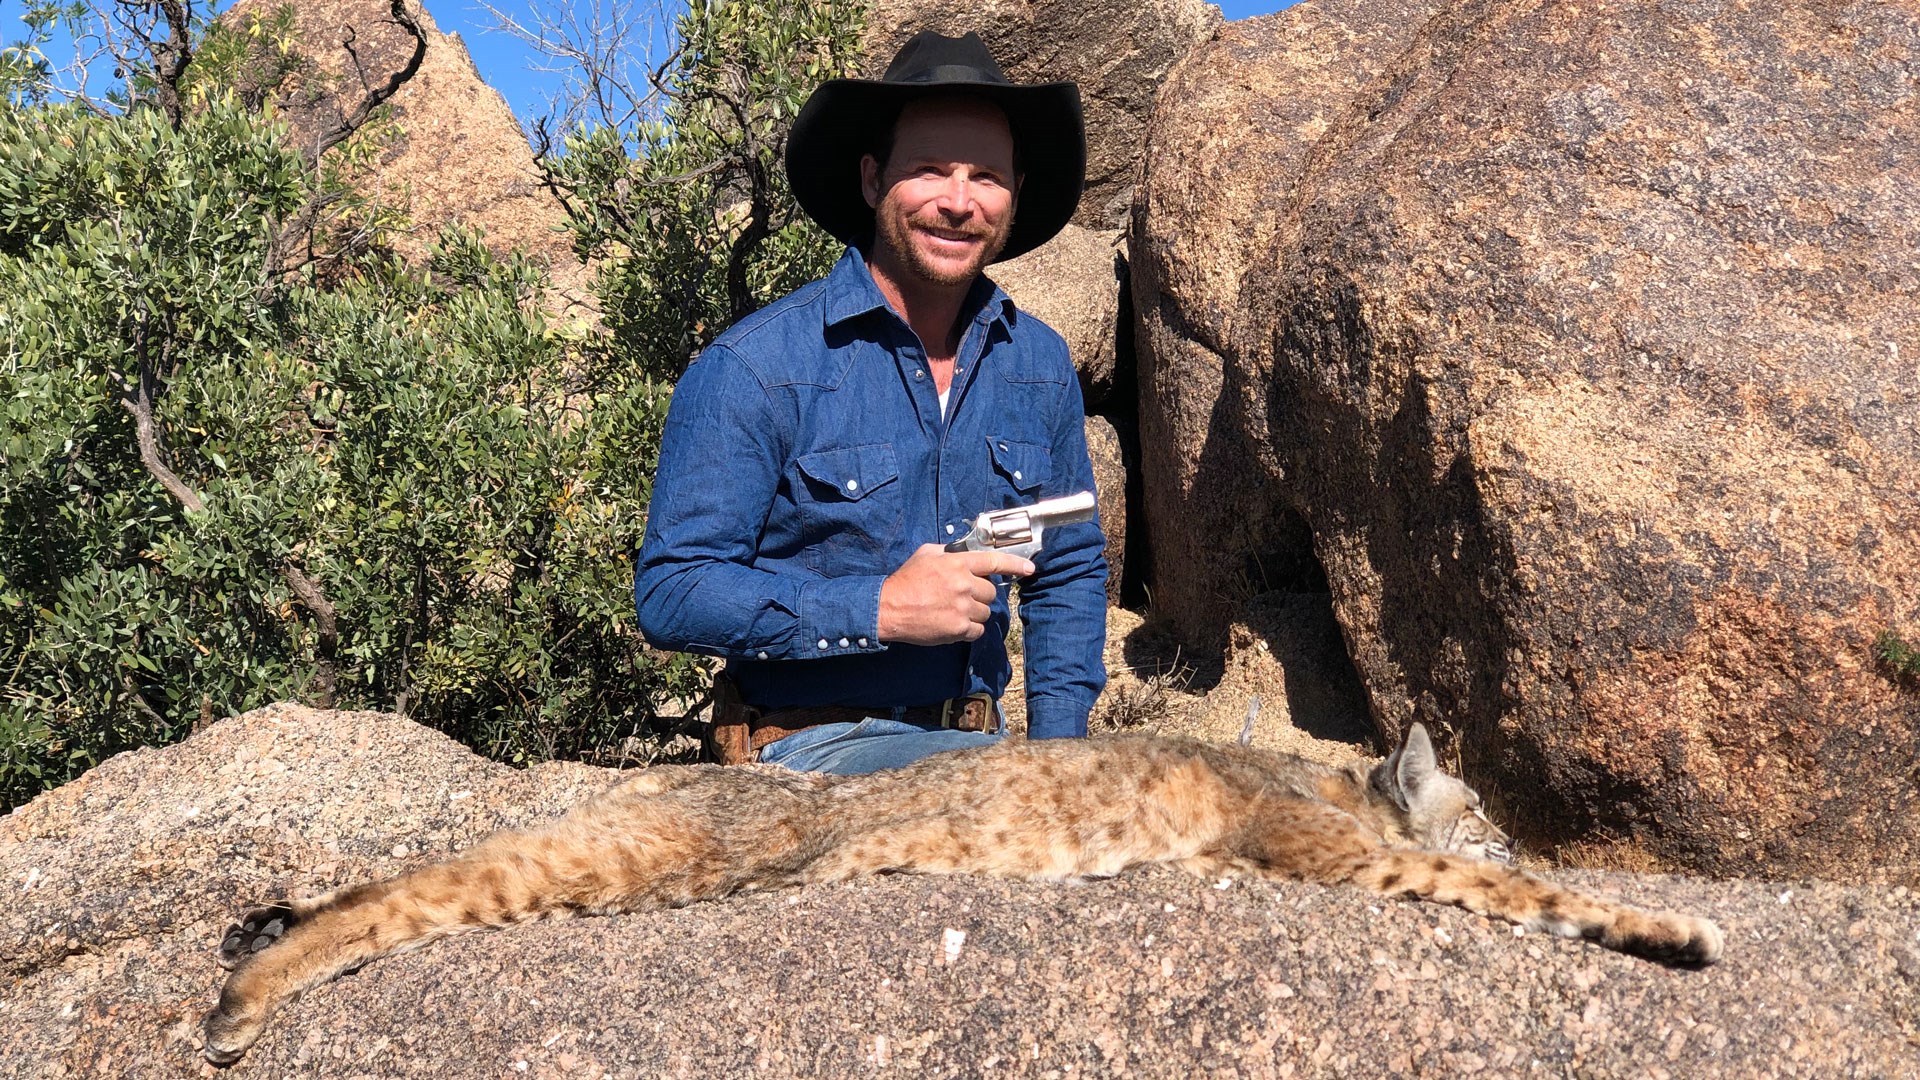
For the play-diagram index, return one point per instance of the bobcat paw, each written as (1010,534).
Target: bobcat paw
(229,1034)
(1680,940)
(1703,946)
(256,929)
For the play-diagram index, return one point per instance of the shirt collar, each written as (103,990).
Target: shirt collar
(851,292)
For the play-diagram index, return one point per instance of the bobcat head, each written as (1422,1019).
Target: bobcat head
(1440,812)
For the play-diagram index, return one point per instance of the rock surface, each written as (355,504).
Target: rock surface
(1110,482)
(1584,343)
(459,155)
(1235,128)
(121,882)
(1118,51)
(1072,283)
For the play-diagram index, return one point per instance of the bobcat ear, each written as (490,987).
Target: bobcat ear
(1389,779)
(1403,772)
(1416,762)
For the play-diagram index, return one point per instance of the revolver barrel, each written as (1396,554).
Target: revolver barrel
(1019,530)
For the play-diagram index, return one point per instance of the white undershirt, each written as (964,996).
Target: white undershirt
(943,402)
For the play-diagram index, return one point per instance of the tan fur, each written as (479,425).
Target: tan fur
(1054,810)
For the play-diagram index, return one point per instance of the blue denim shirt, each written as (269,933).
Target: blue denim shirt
(805,458)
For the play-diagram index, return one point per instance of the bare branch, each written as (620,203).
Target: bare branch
(595,43)
(378,95)
(137,398)
(326,620)
(171,56)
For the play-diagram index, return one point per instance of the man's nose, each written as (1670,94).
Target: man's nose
(956,194)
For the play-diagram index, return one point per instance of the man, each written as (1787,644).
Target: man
(819,454)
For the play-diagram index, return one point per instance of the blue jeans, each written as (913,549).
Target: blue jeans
(871,745)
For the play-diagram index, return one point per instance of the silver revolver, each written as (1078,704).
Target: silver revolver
(1018,530)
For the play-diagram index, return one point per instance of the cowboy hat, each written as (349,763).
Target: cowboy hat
(848,118)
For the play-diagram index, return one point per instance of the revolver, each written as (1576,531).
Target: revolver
(1017,530)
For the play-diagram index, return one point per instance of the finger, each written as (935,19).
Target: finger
(979,613)
(974,631)
(989,563)
(982,589)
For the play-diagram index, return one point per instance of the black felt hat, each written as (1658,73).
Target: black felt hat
(847,118)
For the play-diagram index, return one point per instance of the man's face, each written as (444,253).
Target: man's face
(943,202)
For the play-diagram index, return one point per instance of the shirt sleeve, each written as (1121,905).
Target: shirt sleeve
(696,588)
(1063,606)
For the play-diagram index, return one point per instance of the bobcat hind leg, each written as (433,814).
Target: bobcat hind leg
(254,930)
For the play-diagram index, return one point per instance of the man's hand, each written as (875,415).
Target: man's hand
(938,597)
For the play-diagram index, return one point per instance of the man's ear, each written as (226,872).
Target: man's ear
(870,180)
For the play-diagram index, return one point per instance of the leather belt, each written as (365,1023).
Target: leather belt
(972,713)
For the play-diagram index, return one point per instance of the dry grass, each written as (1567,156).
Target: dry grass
(1155,685)
(1607,853)
(1142,700)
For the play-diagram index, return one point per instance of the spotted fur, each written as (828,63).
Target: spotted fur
(1050,811)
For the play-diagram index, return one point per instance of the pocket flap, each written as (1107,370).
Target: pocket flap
(851,471)
(1025,465)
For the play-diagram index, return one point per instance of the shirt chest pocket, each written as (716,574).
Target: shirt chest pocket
(1022,467)
(851,507)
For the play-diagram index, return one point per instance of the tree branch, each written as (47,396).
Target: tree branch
(379,94)
(137,398)
(326,621)
(171,57)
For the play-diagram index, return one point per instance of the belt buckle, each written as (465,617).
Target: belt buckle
(952,717)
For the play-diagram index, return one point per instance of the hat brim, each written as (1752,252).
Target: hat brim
(842,121)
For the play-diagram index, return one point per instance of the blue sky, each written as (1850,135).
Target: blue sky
(504,62)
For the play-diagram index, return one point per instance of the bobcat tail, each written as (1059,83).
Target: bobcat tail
(1494,889)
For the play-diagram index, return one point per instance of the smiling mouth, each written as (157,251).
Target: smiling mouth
(951,237)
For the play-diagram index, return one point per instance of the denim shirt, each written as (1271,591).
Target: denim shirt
(805,458)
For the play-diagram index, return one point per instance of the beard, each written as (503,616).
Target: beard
(895,232)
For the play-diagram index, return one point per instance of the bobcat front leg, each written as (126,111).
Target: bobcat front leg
(1311,841)
(1490,888)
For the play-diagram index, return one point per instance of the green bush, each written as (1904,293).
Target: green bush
(226,480)
(130,257)
(1897,656)
(693,212)
(416,444)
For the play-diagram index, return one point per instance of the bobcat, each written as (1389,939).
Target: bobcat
(1052,811)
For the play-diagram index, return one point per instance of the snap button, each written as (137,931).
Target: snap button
(1016,474)
(844,643)
(919,374)
(822,643)
(863,643)
(763,656)
(949,530)
(854,485)
(1003,446)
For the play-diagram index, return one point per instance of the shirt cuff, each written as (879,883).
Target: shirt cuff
(1056,718)
(839,616)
